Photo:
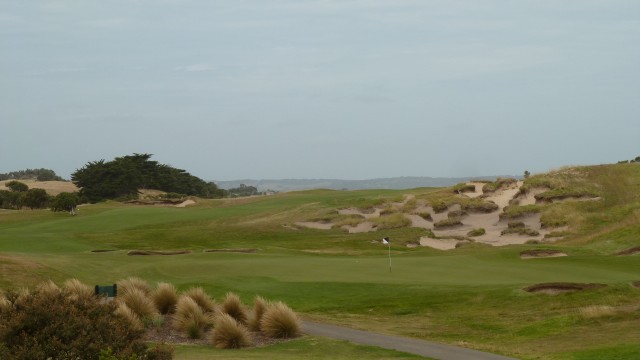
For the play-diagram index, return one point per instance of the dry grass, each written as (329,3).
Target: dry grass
(190,318)
(206,303)
(5,304)
(229,334)
(234,308)
(48,289)
(139,303)
(129,316)
(76,289)
(165,298)
(596,311)
(279,321)
(260,305)
(131,283)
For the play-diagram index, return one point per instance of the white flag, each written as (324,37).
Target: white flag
(385,241)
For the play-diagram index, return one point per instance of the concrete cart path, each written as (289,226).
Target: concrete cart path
(408,345)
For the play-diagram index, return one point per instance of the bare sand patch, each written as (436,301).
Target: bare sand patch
(541,253)
(365,226)
(315,225)
(529,198)
(158,252)
(562,287)
(185,203)
(478,191)
(371,213)
(419,222)
(636,284)
(440,244)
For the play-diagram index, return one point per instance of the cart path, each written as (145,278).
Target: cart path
(403,344)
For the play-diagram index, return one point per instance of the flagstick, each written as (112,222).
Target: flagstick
(389,256)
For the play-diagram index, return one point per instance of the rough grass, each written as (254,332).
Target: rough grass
(476,232)
(449,222)
(463,187)
(425,215)
(393,221)
(233,307)
(279,321)
(5,304)
(206,303)
(165,297)
(520,231)
(129,316)
(516,211)
(596,311)
(478,205)
(229,334)
(48,289)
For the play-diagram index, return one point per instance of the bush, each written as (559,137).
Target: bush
(234,308)
(61,327)
(229,334)
(36,198)
(165,297)
(259,307)
(202,299)
(17,186)
(279,321)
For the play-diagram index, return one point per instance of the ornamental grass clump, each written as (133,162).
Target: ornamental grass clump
(229,333)
(48,288)
(165,298)
(259,307)
(130,283)
(139,303)
(129,316)
(76,289)
(202,299)
(5,304)
(190,319)
(234,308)
(279,321)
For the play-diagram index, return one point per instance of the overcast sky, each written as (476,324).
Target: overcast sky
(349,89)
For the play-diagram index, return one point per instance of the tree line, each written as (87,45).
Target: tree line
(20,196)
(32,174)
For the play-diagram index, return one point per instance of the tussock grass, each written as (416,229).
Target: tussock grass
(477,232)
(189,318)
(409,206)
(229,334)
(5,304)
(131,283)
(498,184)
(445,223)
(515,211)
(234,308)
(596,311)
(204,301)
(439,206)
(456,214)
(165,297)
(478,205)
(129,316)
(463,187)
(279,321)
(48,289)
(393,221)
(259,307)
(76,289)
(425,215)
(349,220)
(520,231)
(139,303)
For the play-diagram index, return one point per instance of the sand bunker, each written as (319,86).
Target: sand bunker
(315,225)
(185,203)
(102,251)
(158,252)
(440,244)
(632,251)
(366,226)
(558,288)
(244,251)
(541,253)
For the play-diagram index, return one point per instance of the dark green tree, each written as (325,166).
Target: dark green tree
(17,186)
(65,201)
(36,199)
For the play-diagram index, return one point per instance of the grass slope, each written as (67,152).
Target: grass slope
(471,296)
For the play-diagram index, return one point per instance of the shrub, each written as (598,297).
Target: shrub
(5,304)
(165,297)
(61,327)
(202,299)
(229,334)
(234,308)
(476,232)
(76,289)
(139,303)
(259,307)
(131,283)
(190,318)
(160,352)
(279,321)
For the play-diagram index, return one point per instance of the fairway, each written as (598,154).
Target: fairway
(471,296)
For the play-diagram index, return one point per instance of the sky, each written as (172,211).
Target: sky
(343,89)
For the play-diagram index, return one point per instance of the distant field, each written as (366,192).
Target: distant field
(51,187)
(471,296)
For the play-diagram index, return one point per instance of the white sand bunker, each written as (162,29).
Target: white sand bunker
(315,225)
(185,203)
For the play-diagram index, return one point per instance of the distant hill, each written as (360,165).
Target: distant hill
(405,182)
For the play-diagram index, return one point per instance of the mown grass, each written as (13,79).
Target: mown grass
(472,294)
